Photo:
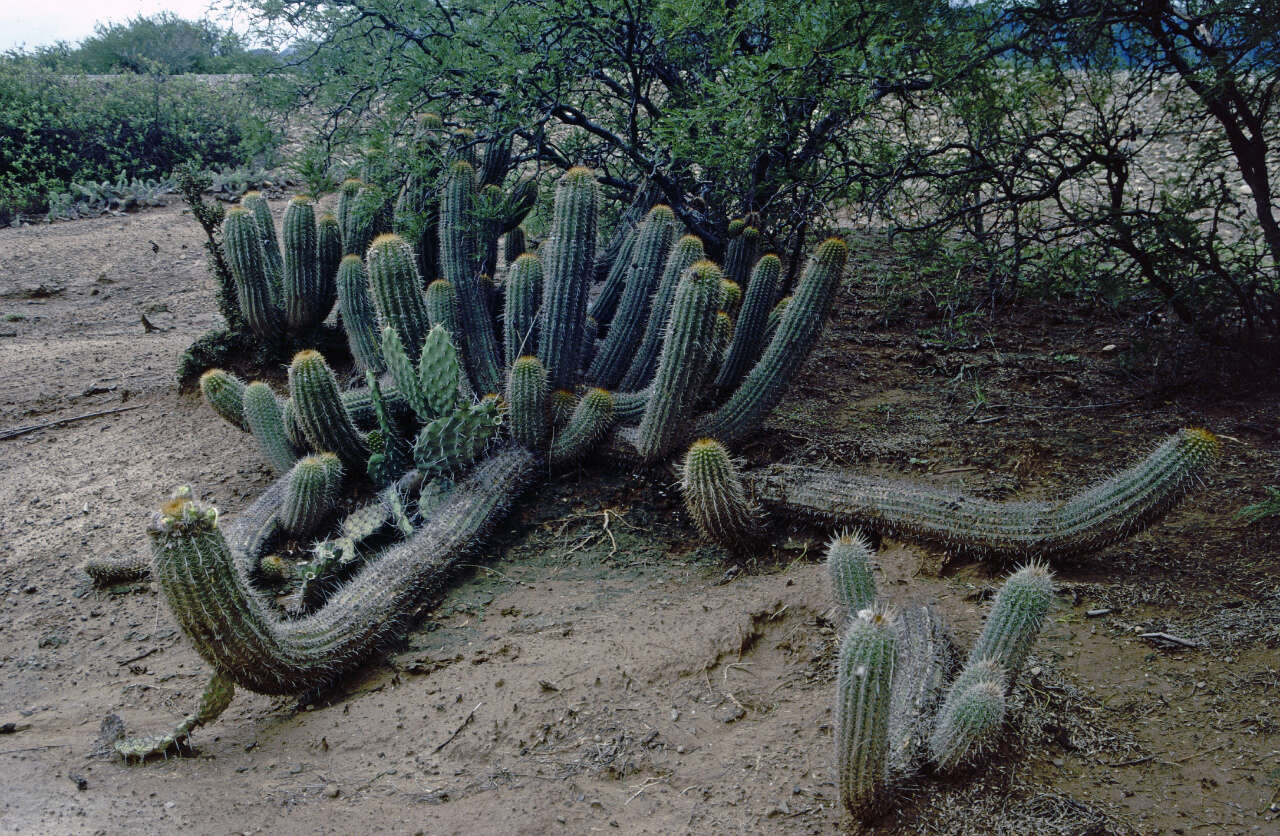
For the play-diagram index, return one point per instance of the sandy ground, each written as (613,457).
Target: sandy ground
(598,669)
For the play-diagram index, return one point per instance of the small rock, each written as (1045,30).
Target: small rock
(1059,762)
(331,790)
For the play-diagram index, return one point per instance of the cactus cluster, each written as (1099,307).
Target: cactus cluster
(474,389)
(900,703)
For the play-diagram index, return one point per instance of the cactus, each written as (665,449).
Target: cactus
(452,442)
(404,374)
(461,259)
(849,565)
(775,319)
(397,290)
(439,373)
(684,352)
(328,257)
(529,402)
(274,264)
(292,429)
(567,270)
(523,293)
(628,407)
(310,490)
(263,416)
(416,219)
(970,720)
(391,455)
(365,220)
(765,385)
(743,251)
(106,571)
(443,310)
(748,335)
(304,305)
(214,700)
(864,674)
(242,241)
(1104,513)
(1019,611)
(653,243)
(591,419)
(687,252)
(359,317)
(321,414)
(200,569)
(224,392)
(346,199)
(715,497)
(562,404)
(514,245)
(602,308)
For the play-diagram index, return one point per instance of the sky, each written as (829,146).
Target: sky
(32,23)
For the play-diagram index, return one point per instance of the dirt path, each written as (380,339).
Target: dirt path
(601,671)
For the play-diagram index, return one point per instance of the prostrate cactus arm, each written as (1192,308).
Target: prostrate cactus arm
(1107,512)
(213,701)
(204,577)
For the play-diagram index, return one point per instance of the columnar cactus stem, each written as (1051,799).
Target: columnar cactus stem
(321,413)
(716,499)
(604,306)
(458,249)
(224,392)
(523,293)
(417,220)
(443,310)
(567,269)
(242,241)
(346,199)
(684,353)
(397,290)
(864,674)
(359,318)
(849,565)
(305,306)
(204,577)
(742,254)
(653,243)
(749,331)
(514,245)
(262,414)
(1015,620)
(687,252)
(311,488)
(562,405)
(328,257)
(1104,513)
(529,402)
(274,263)
(591,419)
(765,385)
(628,407)
(968,724)
(366,219)
(404,373)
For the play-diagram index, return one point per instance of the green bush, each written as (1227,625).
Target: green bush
(55,129)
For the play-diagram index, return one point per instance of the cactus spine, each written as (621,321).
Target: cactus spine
(687,252)
(305,306)
(310,490)
(262,414)
(591,419)
(224,392)
(242,241)
(864,674)
(801,324)
(397,290)
(523,292)
(1019,611)
(458,248)
(849,565)
(529,402)
(683,354)
(321,413)
(359,318)
(567,269)
(1106,512)
(716,499)
(653,243)
(748,334)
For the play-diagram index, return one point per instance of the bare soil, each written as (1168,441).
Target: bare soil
(598,669)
